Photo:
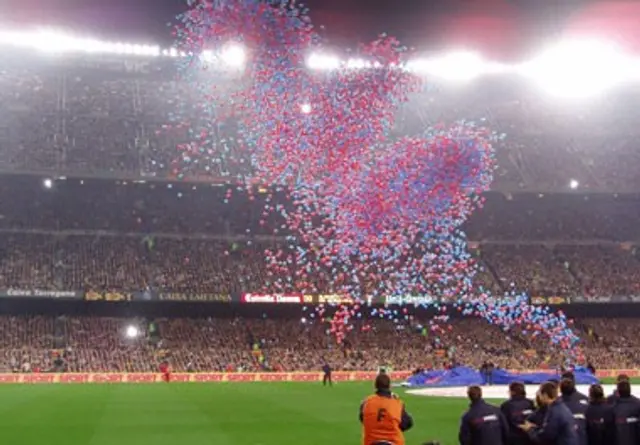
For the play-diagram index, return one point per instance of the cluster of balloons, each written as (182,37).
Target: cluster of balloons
(375,216)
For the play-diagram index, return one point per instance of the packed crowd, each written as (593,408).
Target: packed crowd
(88,344)
(107,118)
(110,263)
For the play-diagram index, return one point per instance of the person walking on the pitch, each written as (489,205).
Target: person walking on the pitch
(482,424)
(600,418)
(516,410)
(559,427)
(165,371)
(326,378)
(383,416)
(626,412)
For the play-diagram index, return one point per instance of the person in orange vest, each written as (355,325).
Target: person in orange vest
(383,416)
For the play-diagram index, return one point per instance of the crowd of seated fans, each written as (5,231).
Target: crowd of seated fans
(93,344)
(135,233)
(89,117)
(111,263)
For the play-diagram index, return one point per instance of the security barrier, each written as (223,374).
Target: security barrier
(96,377)
(210,377)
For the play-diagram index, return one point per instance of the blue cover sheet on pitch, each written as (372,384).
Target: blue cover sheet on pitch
(463,376)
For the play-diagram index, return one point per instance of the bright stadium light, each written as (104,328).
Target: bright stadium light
(132,332)
(207,56)
(305,108)
(47,183)
(234,55)
(358,64)
(456,66)
(579,68)
(323,62)
(573,184)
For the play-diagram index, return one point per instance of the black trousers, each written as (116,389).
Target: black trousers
(327,378)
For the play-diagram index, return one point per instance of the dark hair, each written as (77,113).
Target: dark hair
(622,378)
(474,393)
(549,389)
(518,389)
(383,382)
(569,375)
(596,392)
(538,403)
(624,388)
(567,387)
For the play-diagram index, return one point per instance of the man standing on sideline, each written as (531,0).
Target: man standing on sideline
(611,400)
(326,369)
(383,416)
(626,412)
(558,427)
(577,405)
(516,410)
(600,420)
(576,397)
(482,424)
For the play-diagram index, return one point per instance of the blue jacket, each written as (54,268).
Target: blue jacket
(558,428)
(516,410)
(626,411)
(578,404)
(483,424)
(600,424)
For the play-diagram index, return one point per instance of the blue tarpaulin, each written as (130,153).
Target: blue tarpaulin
(463,376)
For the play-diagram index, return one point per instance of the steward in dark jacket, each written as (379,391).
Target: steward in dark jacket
(578,405)
(516,410)
(626,411)
(483,424)
(600,419)
(559,427)
(537,417)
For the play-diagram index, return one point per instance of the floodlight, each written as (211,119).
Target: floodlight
(52,41)
(207,56)
(233,55)
(579,68)
(323,62)
(47,183)
(455,66)
(305,108)
(573,184)
(357,64)
(132,332)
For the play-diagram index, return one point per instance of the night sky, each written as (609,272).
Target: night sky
(499,28)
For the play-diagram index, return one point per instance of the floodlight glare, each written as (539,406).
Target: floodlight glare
(357,64)
(573,184)
(132,332)
(579,68)
(305,108)
(323,62)
(456,66)
(47,183)
(233,55)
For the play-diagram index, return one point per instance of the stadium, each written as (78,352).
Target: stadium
(119,257)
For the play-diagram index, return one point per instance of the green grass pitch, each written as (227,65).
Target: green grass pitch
(212,414)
